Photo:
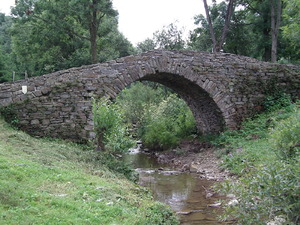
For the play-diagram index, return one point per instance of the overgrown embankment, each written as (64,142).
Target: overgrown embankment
(56,182)
(265,155)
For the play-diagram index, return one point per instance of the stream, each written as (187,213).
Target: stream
(185,192)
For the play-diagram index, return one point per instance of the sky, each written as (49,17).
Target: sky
(139,19)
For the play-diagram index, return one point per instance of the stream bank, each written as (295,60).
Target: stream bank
(182,181)
(195,157)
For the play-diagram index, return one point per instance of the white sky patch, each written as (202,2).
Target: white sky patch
(139,19)
(5,6)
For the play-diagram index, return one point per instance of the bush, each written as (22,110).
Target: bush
(159,214)
(277,101)
(265,153)
(109,127)
(266,193)
(136,98)
(285,137)
(9,114)
(164,125)
(161,118)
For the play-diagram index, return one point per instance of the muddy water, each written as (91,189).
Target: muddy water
(184,192)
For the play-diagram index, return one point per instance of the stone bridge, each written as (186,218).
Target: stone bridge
(221,90)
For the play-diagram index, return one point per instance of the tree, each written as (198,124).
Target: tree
(211,29)
(5,48)
(217,46)
(169,38)
(63,34)
(80,18)
(291,28)
(3,70)
(90,15)
(275,25)
(240,39)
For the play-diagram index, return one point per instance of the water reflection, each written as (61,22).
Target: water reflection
(184,192)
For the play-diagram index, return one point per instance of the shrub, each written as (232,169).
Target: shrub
(109,127)
(267,192)
(164,125)
(285,137)
(276,101)
(159,214)
(9,114)
(268,165)
(136,98)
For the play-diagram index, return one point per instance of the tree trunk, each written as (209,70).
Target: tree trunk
(275,25)
(217,47)
(230,9)
(93,50)
(100,143)
(211,29)
(93,32)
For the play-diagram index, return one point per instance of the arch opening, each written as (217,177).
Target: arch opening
(208,116)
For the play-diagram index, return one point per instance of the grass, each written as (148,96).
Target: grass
(251,146)
(265,156)
(46,181)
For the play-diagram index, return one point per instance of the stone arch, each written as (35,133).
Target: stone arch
(205,98)
(221,89)
(207,114)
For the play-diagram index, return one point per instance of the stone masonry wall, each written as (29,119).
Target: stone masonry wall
(221,89)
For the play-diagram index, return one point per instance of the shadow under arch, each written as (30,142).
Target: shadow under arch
(208,116)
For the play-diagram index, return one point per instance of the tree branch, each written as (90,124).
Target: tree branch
(211,29)
(61,27)
(230,9)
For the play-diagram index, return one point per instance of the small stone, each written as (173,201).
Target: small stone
(233,202)
(193,168)
(184,213)
(209,195)
(35,122)
(215,205)
(230,196)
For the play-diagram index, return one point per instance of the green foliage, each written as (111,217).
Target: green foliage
(269,191)
(50,181)
(109,126)
(158,214)
(165,124)
(116,165)
(277,101)
(291,29)
(9,114)
(53,35)
(135,99)
(3,69)
(285,137)
(257,127)
(5,57)
(161,118)
(169,38)
(265,154)
(200,37)
(249,32)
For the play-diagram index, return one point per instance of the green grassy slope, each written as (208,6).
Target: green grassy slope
(265,156)
(56,182)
